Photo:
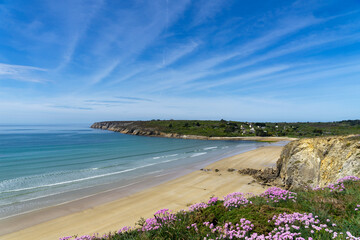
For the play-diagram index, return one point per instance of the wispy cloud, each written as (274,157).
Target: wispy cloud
(130,41)
(296,81)
(208,66)
(178,59)
(20,72)
(251,77)
(206,10)
(178,53)
(103,73)
(84,16)
(187,76)
(108,102)
(70,107)
(135,98)
(299,45)
(15,69)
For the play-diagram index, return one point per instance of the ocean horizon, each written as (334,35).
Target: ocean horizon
(47,165)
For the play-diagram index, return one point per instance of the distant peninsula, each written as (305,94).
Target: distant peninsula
(230,130)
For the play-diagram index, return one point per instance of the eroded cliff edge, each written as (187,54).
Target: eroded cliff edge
(141,128)
(136,128)
(318,161)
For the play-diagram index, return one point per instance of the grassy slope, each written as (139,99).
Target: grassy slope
(335,208)
(231,128)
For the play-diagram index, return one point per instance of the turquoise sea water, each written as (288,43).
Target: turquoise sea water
(44,165)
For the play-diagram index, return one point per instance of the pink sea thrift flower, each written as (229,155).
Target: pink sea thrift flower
(197,206)
(275,194)
(161,217)
(348,178)
(213,201)
(235,199)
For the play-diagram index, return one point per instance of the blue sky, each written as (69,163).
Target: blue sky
(83,61)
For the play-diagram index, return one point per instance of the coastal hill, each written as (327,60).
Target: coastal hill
(211,129)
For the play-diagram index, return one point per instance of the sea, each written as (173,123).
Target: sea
(47,165)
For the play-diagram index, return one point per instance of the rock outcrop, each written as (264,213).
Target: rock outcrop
(312,162)
(264,176)
(318,161)
(126,127)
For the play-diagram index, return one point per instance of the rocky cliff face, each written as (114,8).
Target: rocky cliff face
(143,129)
(126,127)
(319,161)
(136,128)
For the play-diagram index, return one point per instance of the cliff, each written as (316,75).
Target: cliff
(305,162)
(139,128)
(318,161)
(151,128)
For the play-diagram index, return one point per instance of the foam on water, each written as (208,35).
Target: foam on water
(46,165)
(209,148)
(198,154)
(78,180)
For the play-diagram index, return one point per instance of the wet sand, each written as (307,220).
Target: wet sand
(176,194)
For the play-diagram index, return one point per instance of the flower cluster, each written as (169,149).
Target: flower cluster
(288,224)
(161,218)
(275,194)
(296,225)
(339,185)
(125,229)
(197,206)
(85,237)
(229,230)
(348,178)
(236,199)
(194,225)
(213,201)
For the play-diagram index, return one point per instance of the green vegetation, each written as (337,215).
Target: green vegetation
(332,212)
(225,128)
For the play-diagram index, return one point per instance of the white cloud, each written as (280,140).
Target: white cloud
(103,73)
(178,53)
(6,69)
(80,21)
(207,10)
(250,77)
(202,68)
(20,72)
(132,35)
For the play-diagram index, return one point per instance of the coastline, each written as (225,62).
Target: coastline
(197,137)
(108,213)
(125,129)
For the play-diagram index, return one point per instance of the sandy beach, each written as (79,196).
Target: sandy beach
(175,194)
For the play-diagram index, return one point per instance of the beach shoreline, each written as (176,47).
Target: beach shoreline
(55,222)
(151,133)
